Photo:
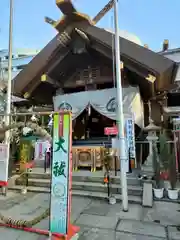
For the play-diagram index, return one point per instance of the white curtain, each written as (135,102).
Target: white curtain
(104,102)
(75,102)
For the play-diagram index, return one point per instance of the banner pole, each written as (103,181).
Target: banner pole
(120,116)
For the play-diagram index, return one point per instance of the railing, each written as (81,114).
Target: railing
(142,147)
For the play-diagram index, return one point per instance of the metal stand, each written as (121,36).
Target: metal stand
(120,115)
(45,164)
(4,191)
(50,236)
(115,165)
(108,184)
(8,97)
(27,178)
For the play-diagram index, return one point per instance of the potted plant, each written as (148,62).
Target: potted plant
(172,191)
(158,189)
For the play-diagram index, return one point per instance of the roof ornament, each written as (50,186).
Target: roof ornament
(165,45)
(50,21)
(82,34)
(64,38)
(146,46)
(70,13)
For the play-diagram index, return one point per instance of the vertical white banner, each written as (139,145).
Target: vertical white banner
(3,163)
(130,135)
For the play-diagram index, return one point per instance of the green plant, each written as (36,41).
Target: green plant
(164,151)
(172,171)
(156,167)
(107,160)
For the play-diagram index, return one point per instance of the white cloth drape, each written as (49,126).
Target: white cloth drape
(75,102)
(104,102)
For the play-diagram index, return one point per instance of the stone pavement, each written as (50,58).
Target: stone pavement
(97,219)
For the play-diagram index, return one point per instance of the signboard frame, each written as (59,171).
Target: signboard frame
(130,135)
(111,130)
(129,129)
(61,177)
(4,161)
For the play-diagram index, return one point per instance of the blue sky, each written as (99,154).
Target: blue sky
(151,20)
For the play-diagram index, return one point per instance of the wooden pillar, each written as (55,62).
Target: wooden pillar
(165,116)
(156,112)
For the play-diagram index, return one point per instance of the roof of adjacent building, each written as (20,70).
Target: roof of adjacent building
(170,51)
(173,54)
(19,51)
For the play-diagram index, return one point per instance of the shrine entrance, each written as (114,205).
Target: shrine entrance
(90,125)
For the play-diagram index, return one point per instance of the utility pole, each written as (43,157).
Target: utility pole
(8,99)
(120,115)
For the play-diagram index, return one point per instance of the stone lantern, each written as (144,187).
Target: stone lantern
(152,130)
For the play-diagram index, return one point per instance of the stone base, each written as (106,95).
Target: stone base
(147,170)
(73,234)
(75,237)
(147,200)
(148,166)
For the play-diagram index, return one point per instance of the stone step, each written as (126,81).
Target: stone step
(86,186)
(97,195)
(89,177)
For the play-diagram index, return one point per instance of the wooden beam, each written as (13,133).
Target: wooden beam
(31,88)
(103,11)
(66,7)
(102,49)
(50,21)
(36,81)
(35,84)
(81,83)
(90,87)
(46,78)
(57,61)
